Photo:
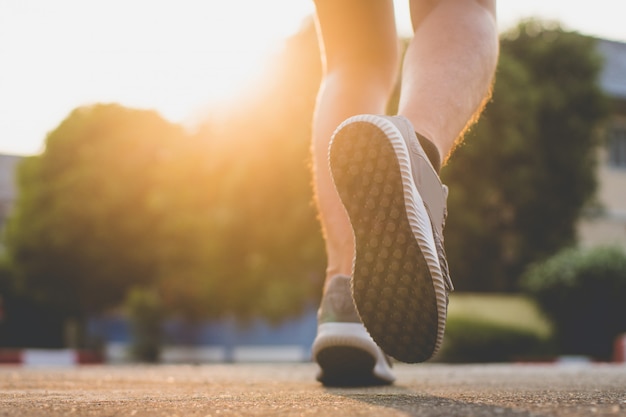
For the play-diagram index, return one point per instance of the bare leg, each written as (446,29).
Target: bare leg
(449,67)
(447,76)
(360,48)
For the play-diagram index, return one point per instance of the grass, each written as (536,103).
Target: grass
(494,328)
(511,310)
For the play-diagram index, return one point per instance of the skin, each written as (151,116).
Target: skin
(447,75)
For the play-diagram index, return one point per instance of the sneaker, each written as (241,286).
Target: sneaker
(344,351)
(397,207)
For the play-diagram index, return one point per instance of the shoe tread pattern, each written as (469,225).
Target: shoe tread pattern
(392,287)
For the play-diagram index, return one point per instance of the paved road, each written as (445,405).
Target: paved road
(290,390)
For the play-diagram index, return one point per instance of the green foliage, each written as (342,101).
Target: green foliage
(271,250)
(85,227)
(146,313)
(512,310)
(470,340)
(494,328)
(217,222)
(583,292)
(519,183)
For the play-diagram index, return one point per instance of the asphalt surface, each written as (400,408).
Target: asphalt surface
(290,390)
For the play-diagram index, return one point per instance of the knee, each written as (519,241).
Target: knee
(369,70)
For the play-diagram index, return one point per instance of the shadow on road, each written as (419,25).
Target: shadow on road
(421,404)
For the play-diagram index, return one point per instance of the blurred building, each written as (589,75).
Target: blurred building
(606,223)
(8,193)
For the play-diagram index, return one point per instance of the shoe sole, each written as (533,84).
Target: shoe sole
(348,357)
(397,284)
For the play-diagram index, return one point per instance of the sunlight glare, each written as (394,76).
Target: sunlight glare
(171,56)
(175,56)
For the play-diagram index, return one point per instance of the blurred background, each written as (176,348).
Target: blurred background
(156,199)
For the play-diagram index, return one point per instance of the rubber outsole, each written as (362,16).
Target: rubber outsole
(347,366)
(348,356)
(392,284)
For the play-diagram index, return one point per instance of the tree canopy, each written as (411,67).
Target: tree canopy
(221,221)
(87,217)
(520,181)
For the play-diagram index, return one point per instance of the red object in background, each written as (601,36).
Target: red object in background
(10,356)
(619,349)
(50,357)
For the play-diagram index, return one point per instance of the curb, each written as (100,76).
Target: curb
(50,357)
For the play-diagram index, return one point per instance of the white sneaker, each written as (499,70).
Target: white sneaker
(344,351)
(397,207)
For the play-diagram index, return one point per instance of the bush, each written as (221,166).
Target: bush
(470,340)
(583,293)
(145,313)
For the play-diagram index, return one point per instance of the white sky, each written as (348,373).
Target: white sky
(175,56)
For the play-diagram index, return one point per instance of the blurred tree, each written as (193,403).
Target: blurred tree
(19,315)
(520,181)
(87,220)
(270,245)
(218,222)
(582,293)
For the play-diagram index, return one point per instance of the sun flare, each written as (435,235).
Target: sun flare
(173,56)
